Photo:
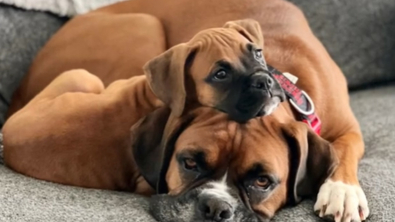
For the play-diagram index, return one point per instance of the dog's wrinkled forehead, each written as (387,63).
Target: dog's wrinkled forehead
(222,35)
(221,42)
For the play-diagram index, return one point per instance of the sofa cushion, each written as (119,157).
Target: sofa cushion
(25,199)
(359,35)
(23,33)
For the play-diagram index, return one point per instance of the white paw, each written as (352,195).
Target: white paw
(342,202)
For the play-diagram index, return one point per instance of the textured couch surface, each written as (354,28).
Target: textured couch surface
(359,34)
(359,37)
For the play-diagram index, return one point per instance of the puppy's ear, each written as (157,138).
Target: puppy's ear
(166,76)
(312,160)
(153,138)
(249,28)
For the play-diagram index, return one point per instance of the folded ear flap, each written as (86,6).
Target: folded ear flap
(153,139)
(312,160)
(166,76)
(248,28)
(146,137)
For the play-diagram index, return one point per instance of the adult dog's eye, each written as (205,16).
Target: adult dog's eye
(221,75)
(263,182)
(190,164)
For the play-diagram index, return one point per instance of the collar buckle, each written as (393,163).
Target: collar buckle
(299,99)
(309,103)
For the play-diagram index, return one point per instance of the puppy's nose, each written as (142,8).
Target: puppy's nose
(215,209)
(262,81)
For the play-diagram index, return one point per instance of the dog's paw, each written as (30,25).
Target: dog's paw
(341,202)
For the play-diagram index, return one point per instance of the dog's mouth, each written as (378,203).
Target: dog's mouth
(269,107)
(251,104)
(260,113)
(253,108)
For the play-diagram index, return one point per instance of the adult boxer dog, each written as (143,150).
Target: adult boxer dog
(218,170)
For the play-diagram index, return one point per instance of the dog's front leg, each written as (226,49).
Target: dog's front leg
(341,196)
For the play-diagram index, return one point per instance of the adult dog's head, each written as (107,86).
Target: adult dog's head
(206,167)
(222,68)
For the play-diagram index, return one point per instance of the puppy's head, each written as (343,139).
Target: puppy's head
(218,170)
(222,68)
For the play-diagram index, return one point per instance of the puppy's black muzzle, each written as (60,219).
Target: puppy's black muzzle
(250,93)
(258,92)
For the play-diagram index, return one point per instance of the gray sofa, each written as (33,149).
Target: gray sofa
(360,36)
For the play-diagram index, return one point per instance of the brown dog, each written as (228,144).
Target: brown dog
(236,172)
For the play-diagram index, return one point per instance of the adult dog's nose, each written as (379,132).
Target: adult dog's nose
(215,209)
(262,81)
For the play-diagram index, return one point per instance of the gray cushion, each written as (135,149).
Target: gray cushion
(23,33)
(26,199)
(359,35)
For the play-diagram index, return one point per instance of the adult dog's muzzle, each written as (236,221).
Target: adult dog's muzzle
(211,202)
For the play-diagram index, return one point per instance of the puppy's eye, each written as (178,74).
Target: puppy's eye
(221,75)
(263,182)
(190,164)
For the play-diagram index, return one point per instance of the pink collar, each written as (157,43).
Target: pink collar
(299,99)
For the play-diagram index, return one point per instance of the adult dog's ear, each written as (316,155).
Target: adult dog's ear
(153,138)
(166,76)
(312,160)
(248,28)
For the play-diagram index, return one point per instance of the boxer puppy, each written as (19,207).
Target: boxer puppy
(225,69)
